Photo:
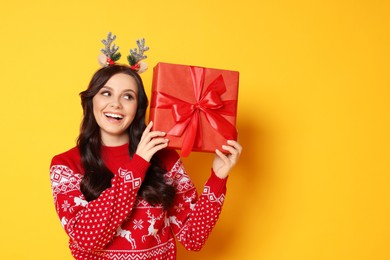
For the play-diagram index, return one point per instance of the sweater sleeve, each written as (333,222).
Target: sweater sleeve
(92,225)
(193,218)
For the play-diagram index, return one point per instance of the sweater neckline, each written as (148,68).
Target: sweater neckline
(115,150)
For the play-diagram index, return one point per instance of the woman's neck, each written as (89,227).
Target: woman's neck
(114,140)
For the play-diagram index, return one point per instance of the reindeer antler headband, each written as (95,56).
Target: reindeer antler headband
(110,54)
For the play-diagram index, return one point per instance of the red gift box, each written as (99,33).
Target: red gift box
(195,106)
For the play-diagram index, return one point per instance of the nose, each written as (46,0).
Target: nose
(115,103)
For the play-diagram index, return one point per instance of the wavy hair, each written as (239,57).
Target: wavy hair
(97,177)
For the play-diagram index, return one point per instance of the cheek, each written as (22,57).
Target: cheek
(133,110)
(97,106)
(95,113)
(94,106)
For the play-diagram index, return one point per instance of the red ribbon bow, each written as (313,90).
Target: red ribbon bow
(135,67)
(187,115)
(110,61)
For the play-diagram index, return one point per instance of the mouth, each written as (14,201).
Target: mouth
(113,116)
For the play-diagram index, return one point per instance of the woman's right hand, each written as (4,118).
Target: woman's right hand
(151,142)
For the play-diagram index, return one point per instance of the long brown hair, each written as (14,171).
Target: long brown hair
(97,177)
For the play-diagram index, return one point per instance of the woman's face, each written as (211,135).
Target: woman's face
(114,108)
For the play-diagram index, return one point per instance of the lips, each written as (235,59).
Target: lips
(114,116)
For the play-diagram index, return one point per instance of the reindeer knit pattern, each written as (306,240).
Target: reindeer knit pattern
(118,224)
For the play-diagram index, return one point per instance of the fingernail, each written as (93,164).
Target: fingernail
(230,141)
(163,133)
(166,140)
(224,146)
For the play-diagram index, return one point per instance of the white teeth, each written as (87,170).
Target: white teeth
(113,115)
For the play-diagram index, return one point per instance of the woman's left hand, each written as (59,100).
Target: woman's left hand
(223,163)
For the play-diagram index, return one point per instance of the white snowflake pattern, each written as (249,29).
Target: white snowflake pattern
(65,206)
(179,207)
(138,224)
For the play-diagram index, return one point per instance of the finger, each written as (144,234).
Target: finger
(154,142)
(154,134)
(223,157)
(157,148)
(151,135)
(236,145)
(147,130)
(234,154)
(232,150)
(147,154)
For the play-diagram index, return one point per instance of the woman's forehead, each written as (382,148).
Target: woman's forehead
(122,82)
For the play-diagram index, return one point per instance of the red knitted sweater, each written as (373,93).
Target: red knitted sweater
(120,225)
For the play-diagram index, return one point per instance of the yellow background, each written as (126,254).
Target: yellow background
(313,117)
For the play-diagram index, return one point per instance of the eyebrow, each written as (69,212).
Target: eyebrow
(126,90)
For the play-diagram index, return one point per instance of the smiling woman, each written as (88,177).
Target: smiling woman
(120,193)
(114,108)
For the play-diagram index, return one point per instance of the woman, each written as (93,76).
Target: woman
(120,193)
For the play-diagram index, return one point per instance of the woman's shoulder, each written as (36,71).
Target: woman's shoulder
(68,157)
(66,168)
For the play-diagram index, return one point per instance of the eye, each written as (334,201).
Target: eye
(128,96)
(105,93)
